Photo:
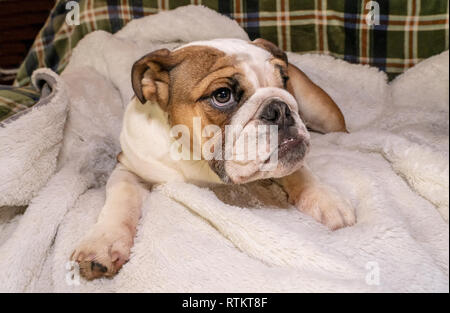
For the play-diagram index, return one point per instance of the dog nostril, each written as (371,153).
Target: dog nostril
(270,114)
(277,112)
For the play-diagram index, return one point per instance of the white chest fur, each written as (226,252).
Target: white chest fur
(145,140)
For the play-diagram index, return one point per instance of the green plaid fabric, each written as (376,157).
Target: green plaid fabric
(16,99)
(408,30)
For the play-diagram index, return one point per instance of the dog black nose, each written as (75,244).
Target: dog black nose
(278,113)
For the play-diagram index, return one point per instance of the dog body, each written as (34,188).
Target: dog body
(229,99)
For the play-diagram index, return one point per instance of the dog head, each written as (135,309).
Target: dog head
(242,103)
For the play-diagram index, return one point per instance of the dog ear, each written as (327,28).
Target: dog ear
(316,108)
(150,76)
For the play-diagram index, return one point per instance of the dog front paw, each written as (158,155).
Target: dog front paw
(326,206)
(103,251)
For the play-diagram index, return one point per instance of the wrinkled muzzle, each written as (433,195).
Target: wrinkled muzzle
(266,138)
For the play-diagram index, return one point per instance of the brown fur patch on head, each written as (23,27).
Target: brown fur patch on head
(203,70)
(193,81)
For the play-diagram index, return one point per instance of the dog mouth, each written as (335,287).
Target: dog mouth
(290,148)
(287,145)
(285,158)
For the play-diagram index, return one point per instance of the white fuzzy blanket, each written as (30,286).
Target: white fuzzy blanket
(393,166)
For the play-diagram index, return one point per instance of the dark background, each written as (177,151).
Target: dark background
(20,22)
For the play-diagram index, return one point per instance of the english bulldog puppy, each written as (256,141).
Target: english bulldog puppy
(187,100)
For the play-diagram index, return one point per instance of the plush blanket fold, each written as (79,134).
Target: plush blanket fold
(393,166)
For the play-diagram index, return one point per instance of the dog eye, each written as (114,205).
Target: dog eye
(222,97)
(285,79)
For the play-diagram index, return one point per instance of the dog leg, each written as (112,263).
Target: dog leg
(106,247)
(321,202)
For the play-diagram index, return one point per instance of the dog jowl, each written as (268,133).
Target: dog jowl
(223,111)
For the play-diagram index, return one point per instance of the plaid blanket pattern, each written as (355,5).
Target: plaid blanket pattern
(16,99)
(408,30)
